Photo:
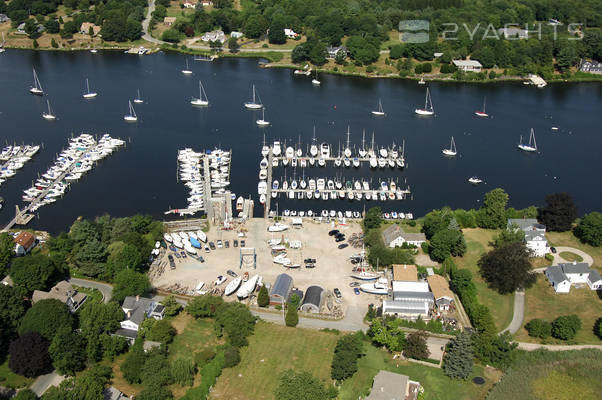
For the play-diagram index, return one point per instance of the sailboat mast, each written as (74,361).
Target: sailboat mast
(253,94)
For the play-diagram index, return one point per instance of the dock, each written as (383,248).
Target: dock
(268,194)
(537,81)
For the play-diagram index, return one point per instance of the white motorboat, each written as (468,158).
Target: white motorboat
(167,237)
(262,121)
(88,94)
(247,288)
(276,149)
(380,287)
(48,115)
(233,286)
(315,81)
(482,113)
(452,149)
(428,109)
(220,279)
(203,100)
(365,276)
(262,198)
(277,227)
(131,117)
(201,236)
(198,287)
(37,86)
(380,112)
(187,70)
(138,99)
(253,104)
(421,81)
(532,146)
(475,180)
(313,150)
(239,203)
(325,150)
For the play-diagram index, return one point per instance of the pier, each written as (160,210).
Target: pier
(268,193)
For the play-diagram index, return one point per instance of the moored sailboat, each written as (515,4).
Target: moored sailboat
(532,146)
(37,86)
(428,109)
(482,113)
(131,117)
(262,121)
(201,101)
(88,94)
(253,104)
(48,115)
(380,111)
(452,149)
(138,99)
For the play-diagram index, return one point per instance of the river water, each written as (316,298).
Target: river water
(141,178)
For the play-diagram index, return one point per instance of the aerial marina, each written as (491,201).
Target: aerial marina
(13,158)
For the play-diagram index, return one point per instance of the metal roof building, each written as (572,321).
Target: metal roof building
(313,299)
(281,289)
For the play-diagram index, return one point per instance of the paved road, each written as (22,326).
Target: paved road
(586,257)
(518,314)
(348,323)
(104,288)
(43,382)
(145,23)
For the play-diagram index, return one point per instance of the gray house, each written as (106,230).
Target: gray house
(281,289)
(395,236)
(137,309)
(312,302)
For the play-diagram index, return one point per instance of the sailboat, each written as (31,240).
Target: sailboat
(138,99)
(380,111)
(482,113)
(262,121)
(200,101)
(428,105)
(37,88)
(187,71)
(315,81)
(89,94)
(253,105)
(49,115)
(131,117)
(532,146)
(313,150)
(452,149)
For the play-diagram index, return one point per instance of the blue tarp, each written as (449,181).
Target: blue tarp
(195,243)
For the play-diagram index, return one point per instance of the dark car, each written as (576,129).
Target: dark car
(231,273)
(173,248)
(183,254)
(212,245)
(333,232)
(227,244)
(342,246)
(242,243)
(235,243)
(172,264)
(337,293)
(339,239)
(309,261)
(553,250)
(201,259)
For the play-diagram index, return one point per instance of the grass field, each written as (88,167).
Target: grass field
(567,255)
(10,379)
(272,350)
(542,302)
(477,243)
(568,239)
(436,384)
(93,294)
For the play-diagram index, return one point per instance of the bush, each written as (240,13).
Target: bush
(566,327)
(492,74)
(448,68)
(263,297)
(161,331)
(231,357)
(539,328)
(416,346)
(54,44)
(346,353)
(549,257)
(25,394)
(589,229)
(292,316)
(204,306)
(203,357)
(182,371)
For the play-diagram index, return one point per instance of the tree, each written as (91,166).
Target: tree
(204,306)
(373,218)
(25,394)
(416,346)
(255,26)
(46,317)
(156,369)
(162,331)
(236,321)
(396,52)
(231,357)
(29,355)
(233,45)
(566,327)
(68,352)
(7,249)
(263,297)
(492,214)
(300,53)
(301,385)
(12,309)
(459,357)
(155,392)
(598,328)
(128,257)
(129,283)
(539,328)
(511,235)
(292,317)
(346,353)
(172,307)
(507,268)
(445,243)
(494,349)
(96,320)
(171,35)
(436,221)
(54,44)
(589,229)
(133,363)
(88,385)
(559,213)
(317,53)
(33,272)
(276,33)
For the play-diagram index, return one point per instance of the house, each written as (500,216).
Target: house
(553,22)
(391,386)
(312,302)
(236,34)
(85,28)
(394,236)
(213,36)
(24,242)
(563,276)
(169,21)
(592,67)
(137,309)
(535,238)
(281,289)
(64,292)
(4,18)
(189,4)
(333,51)
(441,292)
(409,300)
(512,32)
(291,34)
(403,272)
(206,3)
(21,29)
(111,393)
(468,65)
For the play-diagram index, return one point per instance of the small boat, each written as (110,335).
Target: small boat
(233,286)
(138,99)
(554,128)
(239,203)
(187,71)
(262,121)
(421,81)
(365,276)
(48,115)
(313,150)
(380,111)
(262,198)
(89,94)
(201,236)
(202,101)
(428,106)
(254,105)
(475,180)
(276,149)
(379,287)
(315,81)
(93,51)
(220,279)
(37,86)
(452,149)
(482,113)
(532,146)
(131,117)
(247,288)
(167,237)
(198,287)
(277,227)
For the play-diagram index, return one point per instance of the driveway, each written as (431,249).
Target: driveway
(145,23)
(104,288)
(586,257)
(43,382)
(519,313)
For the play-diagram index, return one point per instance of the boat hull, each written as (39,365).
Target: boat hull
(423,112)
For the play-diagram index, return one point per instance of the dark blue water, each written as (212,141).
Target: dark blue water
(142,177)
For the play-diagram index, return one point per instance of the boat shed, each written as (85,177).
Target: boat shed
(281,289)
(440,288)
(312,302)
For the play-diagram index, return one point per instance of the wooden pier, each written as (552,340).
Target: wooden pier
(268,193)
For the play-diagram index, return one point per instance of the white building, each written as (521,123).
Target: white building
(236,34)
(468,65)
(594,280)
(394,236)
(512,32)
(213,36)
(535,238)
(409,300)
(291,34)
(24,242)
(136,310)
(563,276)
(189,4)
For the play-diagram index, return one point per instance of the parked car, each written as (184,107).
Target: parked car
(553,250)
(342,246)
(339,239)
(172,264)
(310,265)
(310,261)
(242,243)
(337,293)
(356,291)
(227,244)
(176,254)
(333,232)
(339,234)
(212,245)
(354,284)
(231,273)
(219,244)
(207,249)
(183,254)
(235,243)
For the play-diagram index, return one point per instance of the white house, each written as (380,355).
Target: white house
(136,310)
(394,236)
(594,280)
(563,276)
(333,51)
(24,242)
(291,34)
(558,279)
(576,272)
(236,34)
(213,36)
(468,65)
(189,4)
(535,238)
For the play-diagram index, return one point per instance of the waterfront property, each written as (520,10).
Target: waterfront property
(592,67)
(136,310)
(409,300)
(535,238)
(86,26)
(214,36)
(391,386)
(394,236)
(441,292)
(513,32)
(64,292)
(333,51)
(468,65)
(24,242)
(563,276)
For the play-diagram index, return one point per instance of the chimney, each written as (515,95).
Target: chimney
(129,314)
(137,298)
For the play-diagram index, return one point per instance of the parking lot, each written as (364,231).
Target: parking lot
(332,269)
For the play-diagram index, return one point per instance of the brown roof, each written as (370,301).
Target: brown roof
(439,286)
(404,272)
(25,239)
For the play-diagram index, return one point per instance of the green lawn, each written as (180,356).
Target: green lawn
(569,256)
(93,294)
(568,239)
(477,243)
(10,379)
(194,335)
(542,302)
(272,350)
(436,384)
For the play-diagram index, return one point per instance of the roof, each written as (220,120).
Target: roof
(439,286)
(25,239)
(111,393)
(399,286)
(7,281)
(62,291)
(467,63)
(525,224)
(127,333)
(282,286)
(395,231)
(313,295)
(169,20)
(594,276)
(149,345)
(405,272)
(405,307)
(555,274)
(574,268)
(414,296)
(388,386)
(535,235)
(138,307)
